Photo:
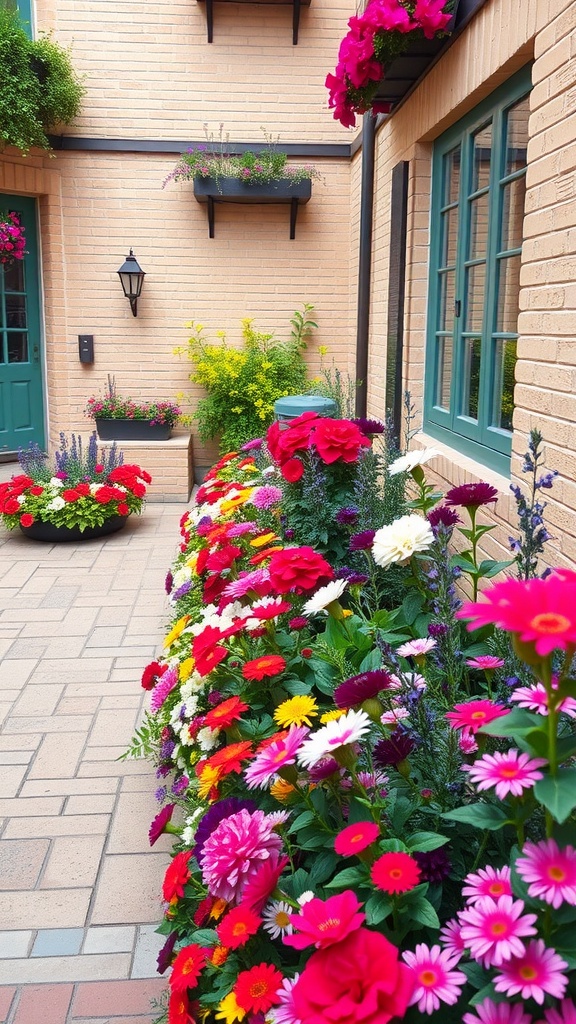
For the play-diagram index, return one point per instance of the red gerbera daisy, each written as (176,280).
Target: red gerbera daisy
(177,874)
(187,968)
(395,872)
(179,1009)
(236,928)
(256,990)
(230,757)
(225,713)
(355,838)
(266,665)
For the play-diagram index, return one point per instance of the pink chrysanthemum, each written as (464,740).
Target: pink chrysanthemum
(511,772)
(415,648)
(549,871)
(535,698)
(234,851)
(474,714)
(164,687)
(276,755)
(436,981)
(451,938)
(244,583)
(497,1013)
(485,662)
(564,1014)
(541,612)
(488,881)
(493,929)
(535,974)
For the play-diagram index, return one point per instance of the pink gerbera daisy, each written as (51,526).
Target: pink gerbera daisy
(355,838)
(246,581)
(493,929)
(263,882)
(451,938)
(474,714)
(565,1014)
(535,698)
(488,881)
(485,662)
(276,755)
(535,974)
(497,1013)
(416,648)
(511,772)
(436,981)
(549,871)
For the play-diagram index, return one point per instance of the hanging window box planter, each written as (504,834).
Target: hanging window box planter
(132,430)
(294,4)
(232,190)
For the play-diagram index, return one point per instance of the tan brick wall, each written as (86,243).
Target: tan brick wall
(501,38)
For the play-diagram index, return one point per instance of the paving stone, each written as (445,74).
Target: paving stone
(148,945)
(58,723)
(7,994)
(112,727)
(47,908)
(21,862)
(38,700)
(90,804)
(5,710)
(99,966)
(116,998)
(66,647)
(129,829)
(56,759)
(58,942)
(116,879)
(16,756)
(105,753)
(23,649)
(28,742)
(90,769)
(105,636)
(73,670)
(110,939)
(113,616)
(25,808)
(14,944)
(73,860)
(59,597)
(79,705)
(69,787)
(18,574)
(63,825)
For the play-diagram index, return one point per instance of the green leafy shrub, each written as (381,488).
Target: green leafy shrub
(39,88)
(242,384)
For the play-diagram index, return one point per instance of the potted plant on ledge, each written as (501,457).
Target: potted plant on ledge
(121,419)
(80,496)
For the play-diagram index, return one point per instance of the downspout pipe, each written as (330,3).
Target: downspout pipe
(365,259)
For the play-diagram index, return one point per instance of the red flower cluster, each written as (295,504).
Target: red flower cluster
(332,440)
(376,37)
(11,491)
(12,240)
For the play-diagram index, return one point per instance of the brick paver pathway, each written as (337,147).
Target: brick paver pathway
(79,885)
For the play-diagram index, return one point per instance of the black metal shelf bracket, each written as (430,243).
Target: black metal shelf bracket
(296,8)
(211,210)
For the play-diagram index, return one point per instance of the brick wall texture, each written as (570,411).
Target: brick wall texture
(150,74)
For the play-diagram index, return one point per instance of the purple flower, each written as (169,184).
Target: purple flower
(471,495)
(443,516)
(254,445)
(165,955)
(394,750)
(182,590)
(181,785)
(160,794)
(347,516)
(267,496)
(323,769)
(168,582)
(353,577)
(362,687)
(160,821)
(215,698)
(437,629)
(435,865)
(369,427)
(362,541)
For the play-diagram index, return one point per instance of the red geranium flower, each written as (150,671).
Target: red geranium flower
(123,509)
(355,838)
(207,662)
(11,507)
(225,713)
(296,435)
(177,874)
(187,968)
(298,569)
(26,519)
(37,490)
(395,872)
(256,990)
(70,494)
(152,673)
(292,470)
(236,928)
(264,666)
(339,440)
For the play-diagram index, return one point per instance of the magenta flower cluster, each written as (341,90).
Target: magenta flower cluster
(12,239)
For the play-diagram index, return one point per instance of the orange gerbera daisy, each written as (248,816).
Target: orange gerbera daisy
(256,990)
(266,665)
(225,713)
(238,926)
(230,758)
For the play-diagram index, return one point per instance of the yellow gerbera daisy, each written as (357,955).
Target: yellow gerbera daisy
(281,790)
(211,776)
(332,716)
(228,1010)
(218,909)
(298,710)
(176,630)
(186,669)
(263,539)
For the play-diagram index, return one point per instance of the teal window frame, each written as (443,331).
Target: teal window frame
(24,8)
(477,436)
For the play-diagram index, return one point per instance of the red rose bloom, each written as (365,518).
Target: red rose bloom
(152,673)
(339,440)
(298,570)
(177,874)
(356,981)
(292,470)
(26,519)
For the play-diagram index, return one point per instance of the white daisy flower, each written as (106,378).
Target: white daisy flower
(324,596)
(276,919)
(335,734)
(407,462)
(305,897)
(400,540)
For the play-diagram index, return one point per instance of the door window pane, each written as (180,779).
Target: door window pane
(475,297)
(445,347)
(482,158)
(15,311)
(451,177)
(504,366)
(472,352)
(513,194)
(517,135)
(14,277)
(508,295)
(450,236)
(479,226)
(17,347)
(447,297)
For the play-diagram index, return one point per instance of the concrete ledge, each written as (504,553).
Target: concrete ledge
(170,464)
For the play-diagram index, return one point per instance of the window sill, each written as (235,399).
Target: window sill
(458,468)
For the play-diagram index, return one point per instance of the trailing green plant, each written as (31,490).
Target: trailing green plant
(243,383)
(39,88)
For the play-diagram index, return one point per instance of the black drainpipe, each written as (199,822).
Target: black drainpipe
(365,260)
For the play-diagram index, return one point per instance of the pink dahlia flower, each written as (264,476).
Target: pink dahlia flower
(549,871)
(234,851)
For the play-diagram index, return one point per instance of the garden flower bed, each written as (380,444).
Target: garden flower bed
(376,795)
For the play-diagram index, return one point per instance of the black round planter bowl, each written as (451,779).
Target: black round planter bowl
(61,534)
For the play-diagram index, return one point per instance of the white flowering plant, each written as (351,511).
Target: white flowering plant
(81,488)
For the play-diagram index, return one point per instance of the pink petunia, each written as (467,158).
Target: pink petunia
(436,980)
(508,773)
(488,881)
(549,871)
(535,974)
(493,930)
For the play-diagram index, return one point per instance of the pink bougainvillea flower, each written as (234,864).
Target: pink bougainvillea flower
(549,871)
(511,772)
(541,612)
(488,881)
(281,752)
(474,714)
(535,974)
(436,980)
(355,838)
(485,662)
(493,930)
(322,923)
(490,1012)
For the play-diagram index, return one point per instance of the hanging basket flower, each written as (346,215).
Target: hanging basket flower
(375,38)
(12,239)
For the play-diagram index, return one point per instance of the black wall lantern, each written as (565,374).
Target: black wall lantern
(132,278)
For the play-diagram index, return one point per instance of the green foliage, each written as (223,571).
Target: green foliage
(242,384)
(39,88)
(145,740)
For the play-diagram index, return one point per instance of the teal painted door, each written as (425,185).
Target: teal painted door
(21,386)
